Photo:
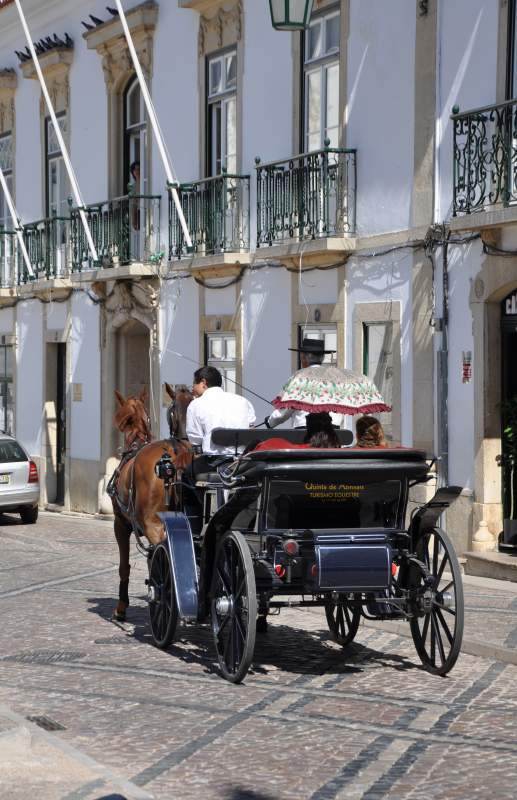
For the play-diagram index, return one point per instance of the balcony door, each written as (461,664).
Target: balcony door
(57,205)
(136,166)
(222,113)
(321,82)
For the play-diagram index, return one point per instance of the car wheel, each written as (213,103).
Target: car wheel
(29,515)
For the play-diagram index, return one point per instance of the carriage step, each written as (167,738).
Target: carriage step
(491,564)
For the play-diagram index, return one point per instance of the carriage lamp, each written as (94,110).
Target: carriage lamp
(290,15)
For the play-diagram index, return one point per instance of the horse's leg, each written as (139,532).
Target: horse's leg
(122,535)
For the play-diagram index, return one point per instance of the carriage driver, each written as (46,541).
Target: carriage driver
(312,353)
(214,408)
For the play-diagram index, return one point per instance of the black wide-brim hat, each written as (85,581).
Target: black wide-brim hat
(316,346)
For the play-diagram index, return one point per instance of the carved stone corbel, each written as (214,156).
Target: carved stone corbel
(220,26)
(8,83)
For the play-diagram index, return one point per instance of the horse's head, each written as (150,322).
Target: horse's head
(180,396)
(131,417)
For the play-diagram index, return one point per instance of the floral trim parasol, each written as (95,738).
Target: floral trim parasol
(325,388)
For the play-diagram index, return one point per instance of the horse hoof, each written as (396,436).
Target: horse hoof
(119,616)
(262,625)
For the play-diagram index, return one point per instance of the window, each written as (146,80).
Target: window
(221,352)
(58,189)
(378,364)
(6,163)
(6,388)
(135,140)
(321,82)
(326,332)
(222,114)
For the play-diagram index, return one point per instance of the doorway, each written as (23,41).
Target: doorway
(56,424)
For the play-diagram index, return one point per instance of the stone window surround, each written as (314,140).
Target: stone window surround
(220,27)
(109,42)
(222,323)
(366,312)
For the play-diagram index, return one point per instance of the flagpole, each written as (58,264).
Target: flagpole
(64,151)
(18,229)
(160,141)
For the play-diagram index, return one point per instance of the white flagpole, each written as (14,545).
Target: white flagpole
(18,229)
(64,152)
(171,180)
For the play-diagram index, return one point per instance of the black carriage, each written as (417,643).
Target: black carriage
(309,527)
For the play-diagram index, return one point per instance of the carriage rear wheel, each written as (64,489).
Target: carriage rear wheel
(343,621)
(234,606)
(438,633)
(163,609)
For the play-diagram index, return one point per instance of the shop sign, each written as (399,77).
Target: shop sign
(510,304)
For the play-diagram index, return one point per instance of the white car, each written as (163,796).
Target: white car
(19,480)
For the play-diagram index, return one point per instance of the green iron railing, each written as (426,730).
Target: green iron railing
(125,230)
(8,258)
(485,158)
(217,213)
(309,196)
(48,246)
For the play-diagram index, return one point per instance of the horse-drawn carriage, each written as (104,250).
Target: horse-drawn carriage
(307,527)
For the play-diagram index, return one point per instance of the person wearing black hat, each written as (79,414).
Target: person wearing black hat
(312,352)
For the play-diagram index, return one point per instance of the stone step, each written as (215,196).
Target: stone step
(491,564)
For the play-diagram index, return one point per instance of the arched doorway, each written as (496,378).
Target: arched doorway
(509,421)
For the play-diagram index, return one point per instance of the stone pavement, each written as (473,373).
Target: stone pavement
(311,721)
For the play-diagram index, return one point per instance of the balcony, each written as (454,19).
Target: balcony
(485,159)
(307,204)
(126,234)
(48,246)
(217,213)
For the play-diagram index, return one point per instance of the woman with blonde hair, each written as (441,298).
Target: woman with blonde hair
(369,433)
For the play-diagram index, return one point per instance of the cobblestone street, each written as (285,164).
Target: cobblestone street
(309,721)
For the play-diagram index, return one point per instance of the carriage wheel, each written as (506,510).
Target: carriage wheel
(163,609)
(343,621)
(438,633)
(234,606)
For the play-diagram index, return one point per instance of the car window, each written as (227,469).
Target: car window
(11,451)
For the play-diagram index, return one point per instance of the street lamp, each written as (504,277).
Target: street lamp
(290,15)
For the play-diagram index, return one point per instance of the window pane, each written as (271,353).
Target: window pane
(215,76)
(52,141)
(216,347)
(231,71)
(134,105)
(332,116)
(378,364)
(231,135)
(314,37)
(229,376)
(332,34)
(314,109)
(230,348)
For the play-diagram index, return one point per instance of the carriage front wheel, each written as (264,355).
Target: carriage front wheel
(438,632)
(343,621)
(234,606)
(163,609)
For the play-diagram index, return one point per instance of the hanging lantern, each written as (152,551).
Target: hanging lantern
(290,15)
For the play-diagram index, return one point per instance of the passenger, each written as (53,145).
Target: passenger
(320,434)
(369,433)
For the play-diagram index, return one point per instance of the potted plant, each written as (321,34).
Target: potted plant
(508,461)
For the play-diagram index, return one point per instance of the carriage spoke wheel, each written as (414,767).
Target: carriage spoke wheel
(438,633)
(343,621)
(163,610)
(234,606)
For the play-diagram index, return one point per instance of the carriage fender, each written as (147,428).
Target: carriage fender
(427,517)
(183,562)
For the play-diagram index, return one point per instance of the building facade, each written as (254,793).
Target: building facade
(327,190)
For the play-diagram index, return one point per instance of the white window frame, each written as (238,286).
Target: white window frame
(220,101)
(134,130)
(320,66)
(224,364)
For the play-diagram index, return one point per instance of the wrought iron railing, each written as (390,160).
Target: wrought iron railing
(485,158)
(217,213)
(8,258)
(309,196)
(125,230)
(48,247)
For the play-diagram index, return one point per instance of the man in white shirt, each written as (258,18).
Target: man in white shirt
(312,353)
(214,408)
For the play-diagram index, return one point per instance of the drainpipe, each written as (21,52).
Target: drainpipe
(443,371)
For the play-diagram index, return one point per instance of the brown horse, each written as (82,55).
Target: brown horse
(137,494)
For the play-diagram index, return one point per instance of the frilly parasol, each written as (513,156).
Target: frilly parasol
(326,388)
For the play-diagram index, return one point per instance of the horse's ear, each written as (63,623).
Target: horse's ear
(143,395)
(120,398)
(170,391)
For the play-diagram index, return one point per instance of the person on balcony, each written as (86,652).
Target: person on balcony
(312,352)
